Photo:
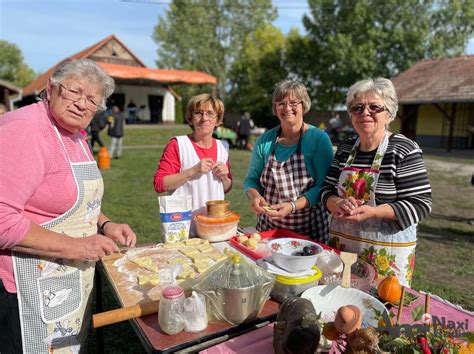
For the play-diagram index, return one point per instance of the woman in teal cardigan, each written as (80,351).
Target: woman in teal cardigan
(288,166)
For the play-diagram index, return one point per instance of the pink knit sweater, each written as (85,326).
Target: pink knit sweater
(36,182)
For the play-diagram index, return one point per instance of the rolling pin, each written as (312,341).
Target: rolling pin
(123,314)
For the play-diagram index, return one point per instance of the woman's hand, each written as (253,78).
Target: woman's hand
(91,248)
(345,206)
(360,213)
(121,233)
(279,211)
(220,170)
(257,205)
(204,166)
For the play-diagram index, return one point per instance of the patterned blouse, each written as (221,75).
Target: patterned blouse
(403,181)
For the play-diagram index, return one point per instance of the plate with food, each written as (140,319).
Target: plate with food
(327,299)
(256,246)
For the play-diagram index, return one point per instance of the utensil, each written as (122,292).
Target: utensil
(400,306)
(123,314)
(348,259)
(270,266)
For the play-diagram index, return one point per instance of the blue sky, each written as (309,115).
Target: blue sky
(48,31)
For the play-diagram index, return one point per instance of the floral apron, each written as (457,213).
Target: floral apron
(54,294)
(285,181)
(377,241)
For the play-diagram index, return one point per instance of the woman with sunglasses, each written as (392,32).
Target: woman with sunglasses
(377,190)
(52,229)
(197,164)
(288,167)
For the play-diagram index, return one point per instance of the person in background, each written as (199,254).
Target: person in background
(335,127)
(52,229)
(196,164)
(132,112)
(377,189)
(116,132)
(243,128)
(97,124)
(288,166)
(3,109)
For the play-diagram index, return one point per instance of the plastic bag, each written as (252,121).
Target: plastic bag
(195,315)
(236,290)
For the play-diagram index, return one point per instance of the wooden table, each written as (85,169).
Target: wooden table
(156,341)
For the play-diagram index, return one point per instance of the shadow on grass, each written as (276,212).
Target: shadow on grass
(446,235)
(452,218)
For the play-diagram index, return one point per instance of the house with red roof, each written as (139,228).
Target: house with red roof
(436,99)
(149,89)
(9,94)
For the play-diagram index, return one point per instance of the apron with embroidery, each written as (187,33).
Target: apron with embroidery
(54,294)
(285,181)
(377,241)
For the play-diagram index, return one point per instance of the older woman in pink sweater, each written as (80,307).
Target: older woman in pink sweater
(52,230)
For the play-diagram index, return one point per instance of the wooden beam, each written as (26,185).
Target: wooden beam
(451,126)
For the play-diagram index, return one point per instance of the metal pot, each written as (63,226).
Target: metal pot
(239,305)
(240,300)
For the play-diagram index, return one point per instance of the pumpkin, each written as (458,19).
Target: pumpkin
(390,289)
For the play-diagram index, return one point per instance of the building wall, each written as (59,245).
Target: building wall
(139,95)
(432,129)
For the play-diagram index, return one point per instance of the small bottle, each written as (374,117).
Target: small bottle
(170,312)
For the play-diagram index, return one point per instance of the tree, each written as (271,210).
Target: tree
(12,66)
(349,41)
(257,68)
(207,35)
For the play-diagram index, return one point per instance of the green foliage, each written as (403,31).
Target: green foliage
(12,66)
(207,35)
(258,67)
(348,41)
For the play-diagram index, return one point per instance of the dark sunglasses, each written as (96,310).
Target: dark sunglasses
(373,108)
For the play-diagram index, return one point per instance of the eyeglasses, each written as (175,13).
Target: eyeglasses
(292,104)
(201,114)
(74,96)
(373,108)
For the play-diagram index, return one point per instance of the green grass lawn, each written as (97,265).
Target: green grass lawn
(444,263)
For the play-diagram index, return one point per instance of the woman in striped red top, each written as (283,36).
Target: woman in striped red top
(377,189)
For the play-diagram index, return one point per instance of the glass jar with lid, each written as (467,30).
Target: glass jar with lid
(170,312)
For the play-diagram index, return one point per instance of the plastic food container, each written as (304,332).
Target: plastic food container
(170,312)
(217,229)
(286,287)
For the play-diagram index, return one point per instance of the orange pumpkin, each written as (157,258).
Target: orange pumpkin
(390,289)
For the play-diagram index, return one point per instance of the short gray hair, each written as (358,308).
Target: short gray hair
(85,68)
(291,87)
(382,87)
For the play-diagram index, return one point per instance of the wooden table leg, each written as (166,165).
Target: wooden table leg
(99,309)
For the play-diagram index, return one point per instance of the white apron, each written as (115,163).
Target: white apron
(202,189)
(377,241)
(54,294)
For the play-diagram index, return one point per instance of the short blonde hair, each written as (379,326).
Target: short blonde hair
(204,99)
(382,87)
(291,87)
